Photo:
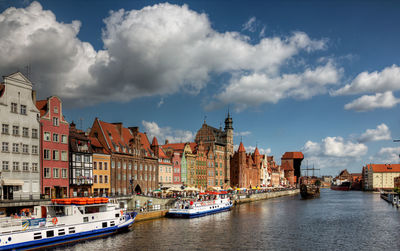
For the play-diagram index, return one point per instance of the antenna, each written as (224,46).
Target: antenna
(28,71)
(80,122)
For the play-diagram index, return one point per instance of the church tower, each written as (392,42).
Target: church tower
(229,146)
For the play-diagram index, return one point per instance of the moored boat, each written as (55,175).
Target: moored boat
(344,186)
(64,221)
(209,203)
(309,187)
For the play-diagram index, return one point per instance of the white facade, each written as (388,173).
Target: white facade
(265,176)
(19,139)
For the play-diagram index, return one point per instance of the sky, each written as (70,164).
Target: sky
(321,77)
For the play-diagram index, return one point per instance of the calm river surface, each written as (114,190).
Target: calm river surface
(336,221)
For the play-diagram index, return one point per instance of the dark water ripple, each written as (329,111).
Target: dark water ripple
(336,221)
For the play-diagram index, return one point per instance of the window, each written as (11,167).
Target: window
(16,130)
(64,156)
(34,133)
(15,166)
(25,131)
(119,176)
(78,158)
(14,107)
(105,179)
(113,164)
(5,166)
(25,149)
(46,136)
(56,173)
(104,224)
(25,166)
(101,179)
(23,109)
(135,166)
(15,147)
(4,129)
(124,165)
(34,167)
(50,233)
(55,109)
(4,147)
(46,154)
(34,149)
(105,165)
(145,167)
(87,159)
(56,155)
(100,165)
(141,167)
(95,165)
(64,173)
(47,172)
(119,165)
(55,137)
(95,178)
(64,139)
(55,121)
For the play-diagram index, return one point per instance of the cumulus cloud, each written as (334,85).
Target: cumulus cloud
(158,50)
(166,133)
(375,82)
(386,155)
(258,88)
(382,132)
(371,102)
(251,149)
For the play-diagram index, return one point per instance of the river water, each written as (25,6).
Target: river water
(336,221)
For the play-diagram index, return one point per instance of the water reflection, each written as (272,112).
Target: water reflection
(335,221)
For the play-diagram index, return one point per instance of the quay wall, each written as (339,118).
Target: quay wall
(264,196)
(150,215)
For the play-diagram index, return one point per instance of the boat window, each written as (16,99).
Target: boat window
(71,230)
(61,232)
(104,224)
(92,210)
(37,236)
(112,223)
(116,215)
(85,219)
(49,233)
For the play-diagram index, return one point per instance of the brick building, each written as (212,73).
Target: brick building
(134,166)
(291,163)
(54,132)
(165,172)
(245,168)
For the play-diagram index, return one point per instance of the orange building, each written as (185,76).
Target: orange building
(290,163)
(245,168)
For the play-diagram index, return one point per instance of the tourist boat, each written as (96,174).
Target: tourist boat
(64,221)
(208,203)
(343,186)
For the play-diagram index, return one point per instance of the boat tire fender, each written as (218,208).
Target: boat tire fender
(54,220)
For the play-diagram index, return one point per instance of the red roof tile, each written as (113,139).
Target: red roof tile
(385,168)
(42,106)
(256,152)
(155,142)
(241,148)
(293,155)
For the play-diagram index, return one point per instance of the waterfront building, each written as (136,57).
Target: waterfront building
(190,164)
(397,182)
(165,172)
(245,168)
(265,171)
(221,143)
(356,179)
(101,169)
(134,166)
(19,156)
(201,166)
(211,173)
(275,172)
(80,163)
(380,176)
(183,169)
(54,132)
(181,149)
(290,164)
(176,162)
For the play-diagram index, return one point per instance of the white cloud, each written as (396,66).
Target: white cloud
(158,50)
(251,149)
(382,132)
(371,102)
(259,88)
(163,133)
(238,134)
(375,82)
(250,25)
(161,102)
(386,155)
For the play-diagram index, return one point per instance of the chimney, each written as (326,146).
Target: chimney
(34,97)
(166,141)
(134,129)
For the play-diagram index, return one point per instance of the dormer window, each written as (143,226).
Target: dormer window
(109,135)
(56,109)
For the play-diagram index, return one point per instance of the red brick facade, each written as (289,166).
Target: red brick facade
(245,168)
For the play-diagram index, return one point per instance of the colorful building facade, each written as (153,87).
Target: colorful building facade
(245,168)
(380,176)
(101,169)
(54,133)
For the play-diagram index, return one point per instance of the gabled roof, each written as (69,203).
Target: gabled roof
(175,146)
(2,89)
(384,168)
(155,141)
(219,134)
(146,144)
(96,145)
(256,152)
(241,148)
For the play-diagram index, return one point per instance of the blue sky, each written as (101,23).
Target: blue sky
(314,76)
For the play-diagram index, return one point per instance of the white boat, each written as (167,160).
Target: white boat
(208,203)
(66,220)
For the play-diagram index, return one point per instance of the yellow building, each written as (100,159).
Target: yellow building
(380,176)
(101,169)
(191,164)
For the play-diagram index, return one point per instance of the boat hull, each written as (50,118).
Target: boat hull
(340,188)
(188,215)
(308,192)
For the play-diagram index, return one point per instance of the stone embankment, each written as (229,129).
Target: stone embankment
(164,203)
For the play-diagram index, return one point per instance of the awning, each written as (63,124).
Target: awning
(13,182)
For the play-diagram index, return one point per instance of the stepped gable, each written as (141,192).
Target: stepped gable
(219,134)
